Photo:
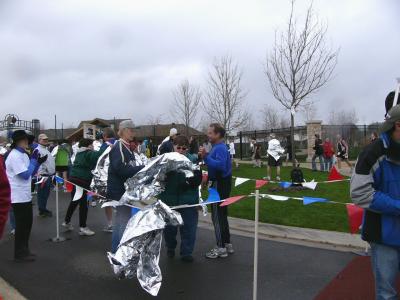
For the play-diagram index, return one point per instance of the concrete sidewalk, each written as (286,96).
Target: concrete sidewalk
(294,235)
(7,292)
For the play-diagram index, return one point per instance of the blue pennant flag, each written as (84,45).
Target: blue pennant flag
(213,195)
(134,210)
(59,179)
(310,200)
(285,184)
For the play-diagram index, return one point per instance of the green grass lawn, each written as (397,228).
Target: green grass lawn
(292,212)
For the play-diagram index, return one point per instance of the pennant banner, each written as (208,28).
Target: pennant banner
(310,200)
(231,200)
(334,175)
(213,195)
(310,185)
(239,180)
(78,193)
(260,183)
(59,179)
(355,215)
(285,184)
(276,197)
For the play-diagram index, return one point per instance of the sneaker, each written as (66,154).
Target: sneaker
(93,204)
(45,214)
(12,232)
(85,231)
(24,259)
(67,226)
(267,178)
(217,252)
(171,253)
(108,228)
(229,248)
(278,178)
(187,259)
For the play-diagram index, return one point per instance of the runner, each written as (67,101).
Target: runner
(274,157)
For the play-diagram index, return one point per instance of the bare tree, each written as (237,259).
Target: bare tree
(224,96)
(187,99)
(270,117)
(154,120)
(343,117)
(300,63)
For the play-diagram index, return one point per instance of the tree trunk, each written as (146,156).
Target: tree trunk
(292,139)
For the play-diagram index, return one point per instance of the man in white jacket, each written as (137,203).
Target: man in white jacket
(275,152)
(46,170)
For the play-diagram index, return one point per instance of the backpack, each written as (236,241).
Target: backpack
(297,176)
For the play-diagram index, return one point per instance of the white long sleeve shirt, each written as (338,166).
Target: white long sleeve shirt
(49,166)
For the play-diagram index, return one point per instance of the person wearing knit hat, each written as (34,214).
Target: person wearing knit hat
(375,187)
(167,144)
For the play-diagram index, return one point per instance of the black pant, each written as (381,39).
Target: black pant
(219,214)
(23,225)
(83,208)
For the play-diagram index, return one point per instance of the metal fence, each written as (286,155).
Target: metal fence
(357,136)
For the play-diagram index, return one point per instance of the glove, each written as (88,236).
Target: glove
(41,159)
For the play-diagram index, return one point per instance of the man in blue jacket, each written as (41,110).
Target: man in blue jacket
(123,165)
(219,164)
(375,186)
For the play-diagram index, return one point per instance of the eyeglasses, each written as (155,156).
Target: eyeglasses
(181,148)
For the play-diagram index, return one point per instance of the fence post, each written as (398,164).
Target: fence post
(241,145)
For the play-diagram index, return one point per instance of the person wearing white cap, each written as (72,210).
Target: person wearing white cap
(167,144)
(46,170)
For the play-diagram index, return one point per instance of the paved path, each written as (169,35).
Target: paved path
(78,268)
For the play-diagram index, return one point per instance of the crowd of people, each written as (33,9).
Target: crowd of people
(27,165)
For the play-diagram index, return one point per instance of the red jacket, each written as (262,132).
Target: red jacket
(328,149)
(5,194)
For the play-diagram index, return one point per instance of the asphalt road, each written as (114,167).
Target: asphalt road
(78,268)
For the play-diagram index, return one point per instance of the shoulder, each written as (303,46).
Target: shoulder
(369,156)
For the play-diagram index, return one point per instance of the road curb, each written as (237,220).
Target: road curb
(295,235)
(7,292)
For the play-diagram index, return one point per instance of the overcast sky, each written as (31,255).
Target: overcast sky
(82,59)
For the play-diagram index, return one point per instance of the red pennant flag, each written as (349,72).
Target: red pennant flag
(260,183)
(68,187)
(334,175)
(355,215)
(205,177)
(231,200)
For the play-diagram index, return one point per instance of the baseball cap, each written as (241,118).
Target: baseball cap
(392,116)
(126,124)
(43,136)
(173,131)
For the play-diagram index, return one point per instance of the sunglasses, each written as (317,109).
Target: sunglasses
(181,148)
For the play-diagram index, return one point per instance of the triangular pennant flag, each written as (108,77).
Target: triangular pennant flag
(231,200)
(310,200)
(239,180)
(78,193)
(43,183)
(355,215)
(334,175)
(213,195)
(68,186)
(285,184)
(134,211)
(277,197)
(59,179)
(310,185)
(260,183)
(41,180)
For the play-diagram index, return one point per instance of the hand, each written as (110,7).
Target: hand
(202,152)
(35,154)
(41,159)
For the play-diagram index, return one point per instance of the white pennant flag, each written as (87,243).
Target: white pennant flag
(277,197)
(240,180)
(78,193)
(41,180)
(310,185)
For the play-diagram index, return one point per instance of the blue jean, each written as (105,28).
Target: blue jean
(121,218)
(43,194)
(328,162)
(385,265)
(187,231)
(321,162)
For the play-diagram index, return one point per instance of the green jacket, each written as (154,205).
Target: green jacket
(84,163)
(62,156)
(180,190)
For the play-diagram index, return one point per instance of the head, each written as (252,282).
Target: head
(108,133)
(374,135)
(21,139)
(126,130)
(327,140)
(86,143)
(173,132)
(339,137)
(181,144)
(317,136)
(216,133)
(43,139)
(272,136)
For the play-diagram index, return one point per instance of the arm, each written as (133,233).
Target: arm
(219,162)
(93,156)
(362,184)
(122,169)
(32,169)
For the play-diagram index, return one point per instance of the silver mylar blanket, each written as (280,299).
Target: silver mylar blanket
(100,173)
(138,253)
(143,188)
